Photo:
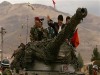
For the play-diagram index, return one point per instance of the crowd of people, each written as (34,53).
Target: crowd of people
(38,33)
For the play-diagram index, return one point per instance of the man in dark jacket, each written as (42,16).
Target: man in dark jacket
(57,26)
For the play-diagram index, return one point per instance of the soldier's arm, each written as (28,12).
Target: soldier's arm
(31,31)
(33,34)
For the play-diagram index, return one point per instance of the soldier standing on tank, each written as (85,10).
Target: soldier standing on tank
(37,31)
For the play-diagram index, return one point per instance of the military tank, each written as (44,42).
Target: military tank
(47,51)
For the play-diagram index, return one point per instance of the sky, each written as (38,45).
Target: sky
(67,6)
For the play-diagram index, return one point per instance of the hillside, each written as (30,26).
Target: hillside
(14,16)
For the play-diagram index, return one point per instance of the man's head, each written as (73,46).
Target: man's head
(67,19)
(60,19)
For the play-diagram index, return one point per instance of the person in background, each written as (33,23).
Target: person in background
(95,70)
(67,20)
(7,71)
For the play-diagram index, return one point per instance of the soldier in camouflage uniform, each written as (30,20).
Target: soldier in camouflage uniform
(7,72)
(37,32)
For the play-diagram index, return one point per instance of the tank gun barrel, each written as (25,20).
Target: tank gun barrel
(52,49)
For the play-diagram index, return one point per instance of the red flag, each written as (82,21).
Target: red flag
(54,3)
(75,39)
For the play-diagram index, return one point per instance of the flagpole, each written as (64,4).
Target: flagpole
(2,31)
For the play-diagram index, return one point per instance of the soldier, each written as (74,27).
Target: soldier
(57,26)
(7,72)
(37,32)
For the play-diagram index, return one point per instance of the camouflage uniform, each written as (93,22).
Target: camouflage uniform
(37,34)
(7,72)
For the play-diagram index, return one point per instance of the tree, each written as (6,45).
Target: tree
(95,55)
(80,61)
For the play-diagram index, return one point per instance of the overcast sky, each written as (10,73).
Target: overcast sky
(68,6)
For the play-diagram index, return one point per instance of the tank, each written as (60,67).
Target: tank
(47,51)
